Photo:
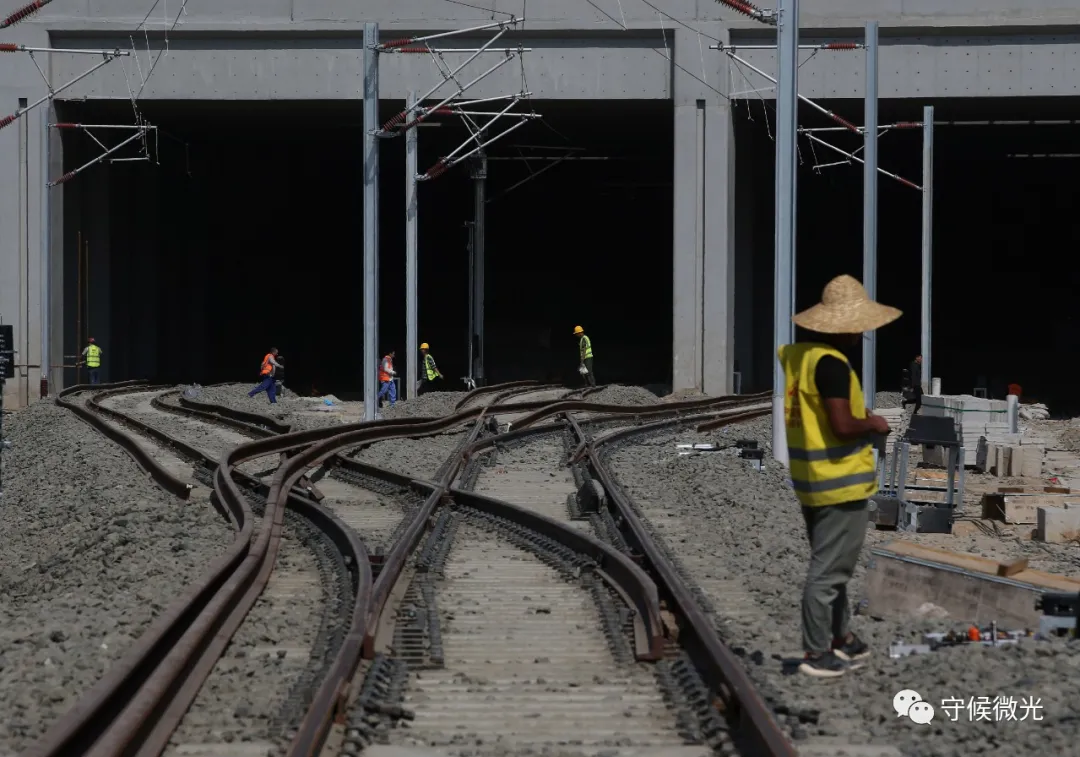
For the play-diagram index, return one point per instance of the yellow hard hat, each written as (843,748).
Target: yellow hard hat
(424,346)
(578,330)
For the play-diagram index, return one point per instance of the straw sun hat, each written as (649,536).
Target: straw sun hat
(845,308)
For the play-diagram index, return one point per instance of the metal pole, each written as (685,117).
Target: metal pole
(371,219)
(927,242)
(46,242)
(870,208)
(787,112)
(471,327)
(412,349)
(479,175)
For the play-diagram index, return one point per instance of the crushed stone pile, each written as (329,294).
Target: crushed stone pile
(93,552)
(617,394)
(740,536)
(290,408)
(432,404)
(888,399)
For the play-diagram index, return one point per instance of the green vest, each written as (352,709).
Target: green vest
(93,356)
(429,368)
(585,345)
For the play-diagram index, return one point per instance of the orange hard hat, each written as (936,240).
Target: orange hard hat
(578,330)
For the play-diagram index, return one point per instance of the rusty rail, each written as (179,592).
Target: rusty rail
(493,389)
(136,707)
(165,479)
(720,668)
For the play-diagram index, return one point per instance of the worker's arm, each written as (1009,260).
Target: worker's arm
(833,379)
(85,351)
(274,362)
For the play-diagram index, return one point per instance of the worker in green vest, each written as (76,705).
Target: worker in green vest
(830,436)
(92,358)
(585,354)
(428,371)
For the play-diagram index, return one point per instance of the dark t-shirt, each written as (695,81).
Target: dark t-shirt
(833,378)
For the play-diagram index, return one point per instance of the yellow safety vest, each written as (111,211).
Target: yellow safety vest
(585,345)
(93,356)
(430,369)
(825,470)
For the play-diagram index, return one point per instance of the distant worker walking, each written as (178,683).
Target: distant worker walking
(386,379)
(913,393)
(829,438)
(429,371)
(267,372)
(92,357)
(586,355)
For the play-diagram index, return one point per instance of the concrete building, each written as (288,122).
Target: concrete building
(246,50)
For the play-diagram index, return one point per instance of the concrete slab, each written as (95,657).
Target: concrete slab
(1058,525)
(908,580)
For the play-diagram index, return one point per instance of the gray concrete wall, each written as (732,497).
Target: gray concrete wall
(609,49)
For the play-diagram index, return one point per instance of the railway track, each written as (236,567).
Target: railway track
(433,576)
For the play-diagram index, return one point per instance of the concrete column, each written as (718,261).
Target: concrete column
(21,242)
(56,241)
(703,260)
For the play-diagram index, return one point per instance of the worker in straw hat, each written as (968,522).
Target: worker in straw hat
(829,436)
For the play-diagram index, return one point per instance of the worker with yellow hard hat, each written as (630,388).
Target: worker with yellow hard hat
(586,355)
(428,371)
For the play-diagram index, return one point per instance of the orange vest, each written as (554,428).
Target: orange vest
(267,366)
(386,363)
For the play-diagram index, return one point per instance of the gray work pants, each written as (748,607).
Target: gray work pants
(836,534)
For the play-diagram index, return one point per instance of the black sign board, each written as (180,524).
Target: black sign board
(7,356)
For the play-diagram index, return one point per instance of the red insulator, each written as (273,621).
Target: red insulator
(437,170)
(65,178)
(908,125)
(412,49)
(7,121)
(397,42)
(845,123)
(392,124)
(23,12)
(9,47)
(747,9)
(842,46)
(444,111)
(66,126)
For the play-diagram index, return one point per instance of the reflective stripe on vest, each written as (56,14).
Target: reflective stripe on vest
(267,367)
(825,470)
(429,368)
(385,367)
(585,345)
(93,356)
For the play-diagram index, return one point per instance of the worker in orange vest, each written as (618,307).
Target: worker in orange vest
(267,383)
(386,379)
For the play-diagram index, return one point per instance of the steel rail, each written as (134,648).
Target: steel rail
(616,569)
(142,675)
(492,389)
(164,478)
(249,424)
(721,669)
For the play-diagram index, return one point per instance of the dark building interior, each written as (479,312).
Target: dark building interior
(246,232)
(1004,202)
(249,235)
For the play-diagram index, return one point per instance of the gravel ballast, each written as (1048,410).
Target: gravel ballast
(740,536)
(93,552)
(616,394)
